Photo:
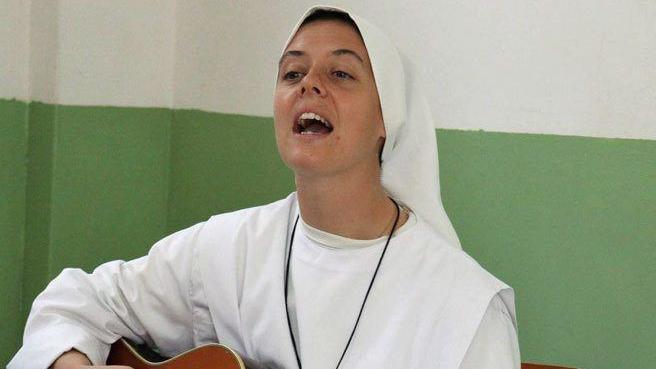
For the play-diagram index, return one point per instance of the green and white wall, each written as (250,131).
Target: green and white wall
(123,121)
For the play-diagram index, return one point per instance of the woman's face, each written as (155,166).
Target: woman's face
(325,70)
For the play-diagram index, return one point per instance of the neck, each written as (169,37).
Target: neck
(350,205)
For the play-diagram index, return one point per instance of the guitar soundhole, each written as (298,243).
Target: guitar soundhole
(147,353)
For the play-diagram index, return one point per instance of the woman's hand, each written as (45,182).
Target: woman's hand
(74,359)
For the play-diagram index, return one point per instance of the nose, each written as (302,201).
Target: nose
(312,84)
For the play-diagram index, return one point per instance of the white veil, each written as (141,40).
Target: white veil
(410,171)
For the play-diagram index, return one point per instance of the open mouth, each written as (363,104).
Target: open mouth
(312,124)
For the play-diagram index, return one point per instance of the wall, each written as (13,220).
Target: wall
(13,137)
(557,67)
(121,122)
(14,71)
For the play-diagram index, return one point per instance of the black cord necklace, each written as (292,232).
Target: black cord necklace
(289,253)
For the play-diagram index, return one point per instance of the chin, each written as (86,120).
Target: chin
(309,167)
(300,158)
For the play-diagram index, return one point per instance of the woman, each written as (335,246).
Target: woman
(359,268)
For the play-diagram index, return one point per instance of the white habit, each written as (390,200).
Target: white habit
(431,306)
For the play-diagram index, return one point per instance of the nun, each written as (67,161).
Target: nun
(358,268)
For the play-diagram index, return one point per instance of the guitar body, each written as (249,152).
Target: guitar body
(211,356)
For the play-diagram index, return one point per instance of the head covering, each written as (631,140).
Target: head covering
(409,158)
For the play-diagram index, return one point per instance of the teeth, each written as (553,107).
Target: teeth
(310,115)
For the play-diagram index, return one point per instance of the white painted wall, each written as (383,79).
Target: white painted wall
(14,49)
(116,52)
(79,52)
(44,50)
(585,67)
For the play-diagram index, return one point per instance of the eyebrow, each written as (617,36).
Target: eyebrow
(337,52)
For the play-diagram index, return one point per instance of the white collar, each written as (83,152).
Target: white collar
(337,242)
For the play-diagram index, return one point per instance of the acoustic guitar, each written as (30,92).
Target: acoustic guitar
(210,356)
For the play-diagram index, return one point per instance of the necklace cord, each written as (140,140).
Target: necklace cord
(373,278)
(289,324)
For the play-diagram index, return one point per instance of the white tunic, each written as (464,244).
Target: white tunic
(223,280)
(335,266)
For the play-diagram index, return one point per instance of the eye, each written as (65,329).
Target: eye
(291,75)
(342,75)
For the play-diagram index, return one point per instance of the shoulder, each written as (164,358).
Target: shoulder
(452,290)
(242,240)
(255,231)
(256,216)
(439,263)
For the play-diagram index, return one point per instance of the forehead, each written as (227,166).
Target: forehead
(328,35)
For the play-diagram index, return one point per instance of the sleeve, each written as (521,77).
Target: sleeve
(495,345)
(145,300)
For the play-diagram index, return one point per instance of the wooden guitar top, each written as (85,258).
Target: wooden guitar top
(210,356)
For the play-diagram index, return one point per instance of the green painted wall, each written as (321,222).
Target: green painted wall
(222,162)
(35,273)
(110,184)
(13,149)
(569,222)
(565,220)
(94,187)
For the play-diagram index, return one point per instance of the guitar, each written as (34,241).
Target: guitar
(210,356)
